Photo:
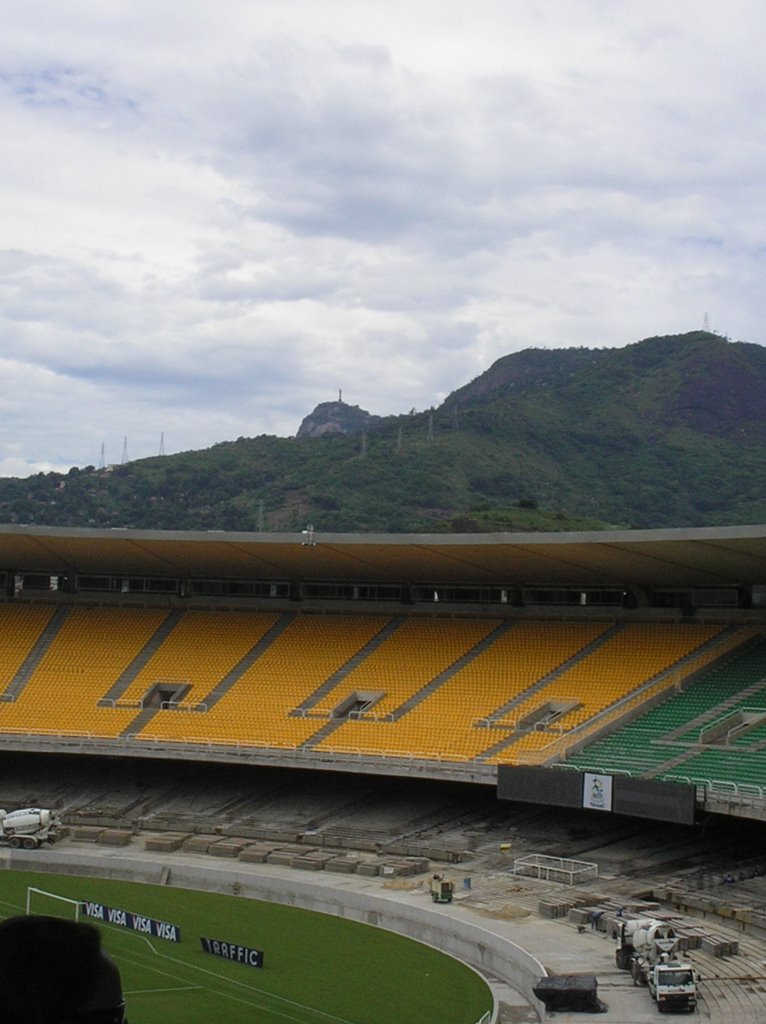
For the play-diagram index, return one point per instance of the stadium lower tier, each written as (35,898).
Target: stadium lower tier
(495,691)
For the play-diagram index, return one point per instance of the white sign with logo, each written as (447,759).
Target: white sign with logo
(597,791)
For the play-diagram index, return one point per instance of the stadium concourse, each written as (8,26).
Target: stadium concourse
(369,697)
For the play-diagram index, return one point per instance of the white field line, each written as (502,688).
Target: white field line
(155,991)
(262,993)
(14,906)
(254,1003)
(294,1004)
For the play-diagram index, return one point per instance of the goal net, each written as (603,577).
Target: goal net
(41,902)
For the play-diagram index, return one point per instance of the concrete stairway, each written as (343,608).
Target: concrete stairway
(149,649)
(35,656)
(329,684)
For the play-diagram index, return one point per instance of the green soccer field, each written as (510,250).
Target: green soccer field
(317,969)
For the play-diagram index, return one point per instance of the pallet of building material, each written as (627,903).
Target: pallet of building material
(369,868)
(450,854)
(578,915)
(198,844)
(98,819)
(285,855)
(395,868)
(86,834)
(166,843)
(598,919)
(274,834)
(553,909)
(407,866)
(630,909)
(593,899)
(256,853)
(312,837)
(227,847)
(718,945)
(240,829)
(611,923)
(115,837)
(343,864)
(316,860)
(403,848)
(689,938)
(344,842)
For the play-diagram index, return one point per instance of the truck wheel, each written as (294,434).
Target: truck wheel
(622,959)
(14,842)
(29,843)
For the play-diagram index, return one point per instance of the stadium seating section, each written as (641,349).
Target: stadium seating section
(668,741)
(664,700)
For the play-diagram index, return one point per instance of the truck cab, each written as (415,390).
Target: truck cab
(673,985)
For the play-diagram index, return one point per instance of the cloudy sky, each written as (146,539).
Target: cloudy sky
(216,214)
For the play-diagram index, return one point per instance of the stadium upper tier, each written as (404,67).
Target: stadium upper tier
(485,690)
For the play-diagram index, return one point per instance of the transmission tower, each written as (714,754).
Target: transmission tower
(162,443)
(124,450)
(102,460)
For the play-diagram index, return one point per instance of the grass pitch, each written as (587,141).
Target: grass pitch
(318,969)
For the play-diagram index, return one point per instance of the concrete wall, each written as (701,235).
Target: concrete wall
(443,929)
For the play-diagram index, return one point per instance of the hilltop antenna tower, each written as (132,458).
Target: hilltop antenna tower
(162,443)
(706,323)
(102,460)
(125,450)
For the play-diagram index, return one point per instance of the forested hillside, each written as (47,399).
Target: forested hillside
(669,431)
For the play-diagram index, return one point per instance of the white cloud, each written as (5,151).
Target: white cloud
(215,216)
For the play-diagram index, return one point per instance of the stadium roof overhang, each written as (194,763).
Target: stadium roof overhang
(714,556)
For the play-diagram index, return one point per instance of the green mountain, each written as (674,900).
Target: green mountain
(669,431)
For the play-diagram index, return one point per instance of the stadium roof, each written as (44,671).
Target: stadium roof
(710,556)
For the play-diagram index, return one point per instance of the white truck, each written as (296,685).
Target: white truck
(647,948)
(29,827)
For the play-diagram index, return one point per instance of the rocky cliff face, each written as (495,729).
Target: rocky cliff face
(336,418)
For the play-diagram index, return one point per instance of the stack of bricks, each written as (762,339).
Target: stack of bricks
(718,945)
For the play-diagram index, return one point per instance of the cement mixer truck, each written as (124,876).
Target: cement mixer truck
(647,948)
(28,828)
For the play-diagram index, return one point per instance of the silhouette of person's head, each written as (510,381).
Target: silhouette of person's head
(54,971)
